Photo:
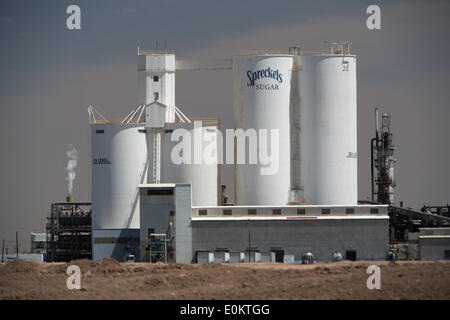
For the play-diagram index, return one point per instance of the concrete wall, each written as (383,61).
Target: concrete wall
(433,243)
(183,225)
(290,231)
(154,214)
(35,257)
(338,211)
(115,243)
(433,248)
(369,237)
(434,231)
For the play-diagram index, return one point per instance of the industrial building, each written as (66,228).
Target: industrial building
(295,190)
(68,231)
(38,242)
(434,243)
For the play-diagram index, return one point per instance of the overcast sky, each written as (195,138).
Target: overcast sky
(49,75)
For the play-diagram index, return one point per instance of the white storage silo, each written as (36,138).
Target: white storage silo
(119,154)
(204,176)
(328,121)
(261,101)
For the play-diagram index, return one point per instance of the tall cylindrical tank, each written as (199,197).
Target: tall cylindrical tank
(328,128)
(198,143)
(119,154)
(261,102)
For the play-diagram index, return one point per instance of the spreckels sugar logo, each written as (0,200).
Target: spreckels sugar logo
(275,76)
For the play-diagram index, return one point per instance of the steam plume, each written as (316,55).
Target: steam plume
(70,169)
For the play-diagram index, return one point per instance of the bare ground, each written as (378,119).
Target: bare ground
(108,279)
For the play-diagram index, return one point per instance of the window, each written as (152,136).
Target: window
(374,210)
(202,212)
(276,211)
(155,78)
(279,255)
(350,255)
(156,96)
(301,211)
(326,211)
(447,254)
(344,65)
(251,212)
(227,212)
(350,210)
(142,130)
(159,192)
(99,131)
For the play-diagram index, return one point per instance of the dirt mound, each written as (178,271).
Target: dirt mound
(82,263)
(106,265)
(20,266)
(109,279)
(109,262)
(109,265)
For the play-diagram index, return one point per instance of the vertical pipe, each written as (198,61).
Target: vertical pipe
(17,245)
(296,191)
(372,181)
(376,123)
(372,153)
(52,233)
(249,246)
(165,249)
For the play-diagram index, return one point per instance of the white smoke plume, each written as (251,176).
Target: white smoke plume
(70,169)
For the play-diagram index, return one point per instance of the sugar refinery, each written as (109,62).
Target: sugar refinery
(294,200)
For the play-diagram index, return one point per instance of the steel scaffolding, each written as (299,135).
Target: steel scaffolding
(382,158)
(69,232)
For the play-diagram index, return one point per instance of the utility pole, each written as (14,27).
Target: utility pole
(3,249)
(249,246)
(17,245)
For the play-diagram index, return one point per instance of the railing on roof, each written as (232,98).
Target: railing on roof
(262,52)
(115,121)
(300,53)
(137,116)
(337,48)
(144,52)
(100,122)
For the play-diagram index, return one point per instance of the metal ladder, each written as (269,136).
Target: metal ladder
(156,163)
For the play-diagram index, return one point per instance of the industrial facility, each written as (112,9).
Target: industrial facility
(300,105)
(157,194)
(68,231)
